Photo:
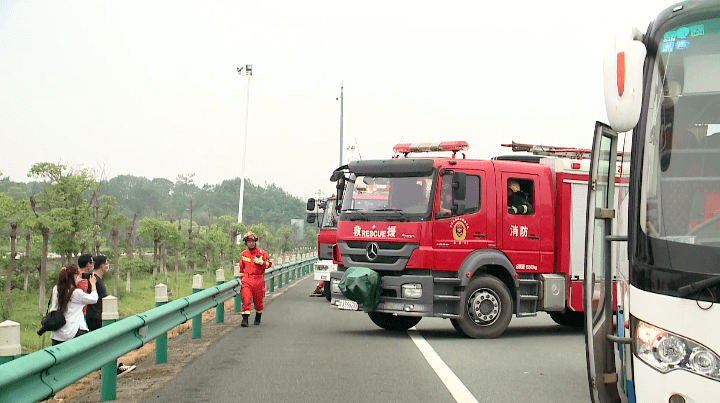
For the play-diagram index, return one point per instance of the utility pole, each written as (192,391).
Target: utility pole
(341,125)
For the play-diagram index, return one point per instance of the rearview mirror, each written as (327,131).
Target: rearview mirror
(310,204)
(459,180)
(311,217)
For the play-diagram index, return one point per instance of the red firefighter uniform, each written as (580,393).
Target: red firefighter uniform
(252,268)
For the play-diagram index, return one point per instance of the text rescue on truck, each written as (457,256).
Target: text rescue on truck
(464,256)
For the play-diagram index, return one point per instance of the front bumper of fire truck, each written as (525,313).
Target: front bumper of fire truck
(406,295)
(322,270)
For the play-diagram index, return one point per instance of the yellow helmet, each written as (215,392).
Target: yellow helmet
(513,185)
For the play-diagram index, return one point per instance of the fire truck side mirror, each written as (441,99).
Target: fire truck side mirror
(340,186)
(311,217)
(458,208)
(458,185)
(310,204)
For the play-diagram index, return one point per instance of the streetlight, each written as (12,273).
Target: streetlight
(247,72)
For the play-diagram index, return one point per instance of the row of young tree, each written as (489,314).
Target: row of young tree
(69,211)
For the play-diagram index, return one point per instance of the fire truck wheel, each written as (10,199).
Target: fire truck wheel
(395,323)
(487,309)
(326,290)
(573,319)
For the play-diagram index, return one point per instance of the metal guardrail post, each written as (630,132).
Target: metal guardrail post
(197,320)
(108,372)
(238,298)
(220,309)
(161,346)
(9,341)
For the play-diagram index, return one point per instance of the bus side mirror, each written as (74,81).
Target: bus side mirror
(311,217)
(310,205)
(622,79)
(459,180)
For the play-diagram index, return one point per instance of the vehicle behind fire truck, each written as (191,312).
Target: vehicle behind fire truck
(327,217)
(463,256)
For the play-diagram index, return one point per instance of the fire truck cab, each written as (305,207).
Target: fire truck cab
(449,244)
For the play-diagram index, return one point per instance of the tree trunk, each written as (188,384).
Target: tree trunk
(177,263)
(96,230)
(163,260)
(43,267)
(155,261)
(222,261)
(27,261)
(127,281)
(11,266)
(116,259)
(207,257)
(139,245)
(129,243)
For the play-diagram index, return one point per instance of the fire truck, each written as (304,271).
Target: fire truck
(652,332)
(446,244)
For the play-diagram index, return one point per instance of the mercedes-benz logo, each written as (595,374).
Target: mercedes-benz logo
(371,251)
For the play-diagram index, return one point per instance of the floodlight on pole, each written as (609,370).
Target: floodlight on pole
(247,72)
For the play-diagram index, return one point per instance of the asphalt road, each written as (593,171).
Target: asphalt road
(307,351)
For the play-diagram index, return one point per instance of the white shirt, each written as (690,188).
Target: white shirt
(74,318)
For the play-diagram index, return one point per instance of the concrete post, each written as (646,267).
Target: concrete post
(197,321)
(220,309)
(9,341)
(161,345)
(238,298)
(108,373)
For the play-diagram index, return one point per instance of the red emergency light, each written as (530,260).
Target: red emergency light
(453,146)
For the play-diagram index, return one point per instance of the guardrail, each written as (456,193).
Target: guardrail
(40,375)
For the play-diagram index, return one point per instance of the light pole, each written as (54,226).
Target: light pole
(247,72)
(341,124)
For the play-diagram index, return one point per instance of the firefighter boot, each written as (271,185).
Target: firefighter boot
(244,323)
(258,315)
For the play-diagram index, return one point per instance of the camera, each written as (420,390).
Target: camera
(86,276)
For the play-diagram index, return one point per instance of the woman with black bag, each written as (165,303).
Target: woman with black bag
(69,299)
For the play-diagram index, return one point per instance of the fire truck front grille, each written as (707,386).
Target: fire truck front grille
(391,256)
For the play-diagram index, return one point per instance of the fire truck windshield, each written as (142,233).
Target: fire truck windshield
(680,193)
(388,199)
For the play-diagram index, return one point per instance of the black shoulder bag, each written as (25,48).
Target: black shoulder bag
(52,321)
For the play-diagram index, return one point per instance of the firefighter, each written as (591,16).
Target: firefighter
(253,263)
(517,200)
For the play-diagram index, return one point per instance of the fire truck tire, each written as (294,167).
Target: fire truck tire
(487,309)
(326,290)
(573,319)
(395,323)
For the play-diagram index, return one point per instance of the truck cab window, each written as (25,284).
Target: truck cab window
(472,195)
(520,200)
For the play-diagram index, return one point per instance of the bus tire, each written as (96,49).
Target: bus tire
(487,308)
(392,322)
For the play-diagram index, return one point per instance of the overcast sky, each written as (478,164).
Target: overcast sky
(150,88)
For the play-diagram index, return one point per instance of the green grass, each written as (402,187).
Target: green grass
(141,298)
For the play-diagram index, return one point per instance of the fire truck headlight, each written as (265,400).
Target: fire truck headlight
(666,351)
(412,290)
(335,286)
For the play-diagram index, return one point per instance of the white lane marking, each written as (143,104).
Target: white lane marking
(453,384)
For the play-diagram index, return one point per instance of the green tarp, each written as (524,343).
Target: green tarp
(361,285)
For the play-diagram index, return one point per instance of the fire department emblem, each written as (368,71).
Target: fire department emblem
(459,230)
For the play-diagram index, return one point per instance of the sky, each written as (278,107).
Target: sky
(151,89)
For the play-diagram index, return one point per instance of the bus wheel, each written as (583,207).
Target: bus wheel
(487,309)
(326,289)
(392,322)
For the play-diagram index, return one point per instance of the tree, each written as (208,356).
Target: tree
(60,207)
(116,222)
(153,229)
(310,238)
(10,212)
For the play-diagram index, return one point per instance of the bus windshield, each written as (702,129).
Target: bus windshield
(680,201)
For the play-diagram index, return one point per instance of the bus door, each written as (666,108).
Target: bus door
(598,282)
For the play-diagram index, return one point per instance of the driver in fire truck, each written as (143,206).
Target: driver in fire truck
(517,199)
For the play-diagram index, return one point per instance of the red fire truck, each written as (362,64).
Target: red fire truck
(457,251)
